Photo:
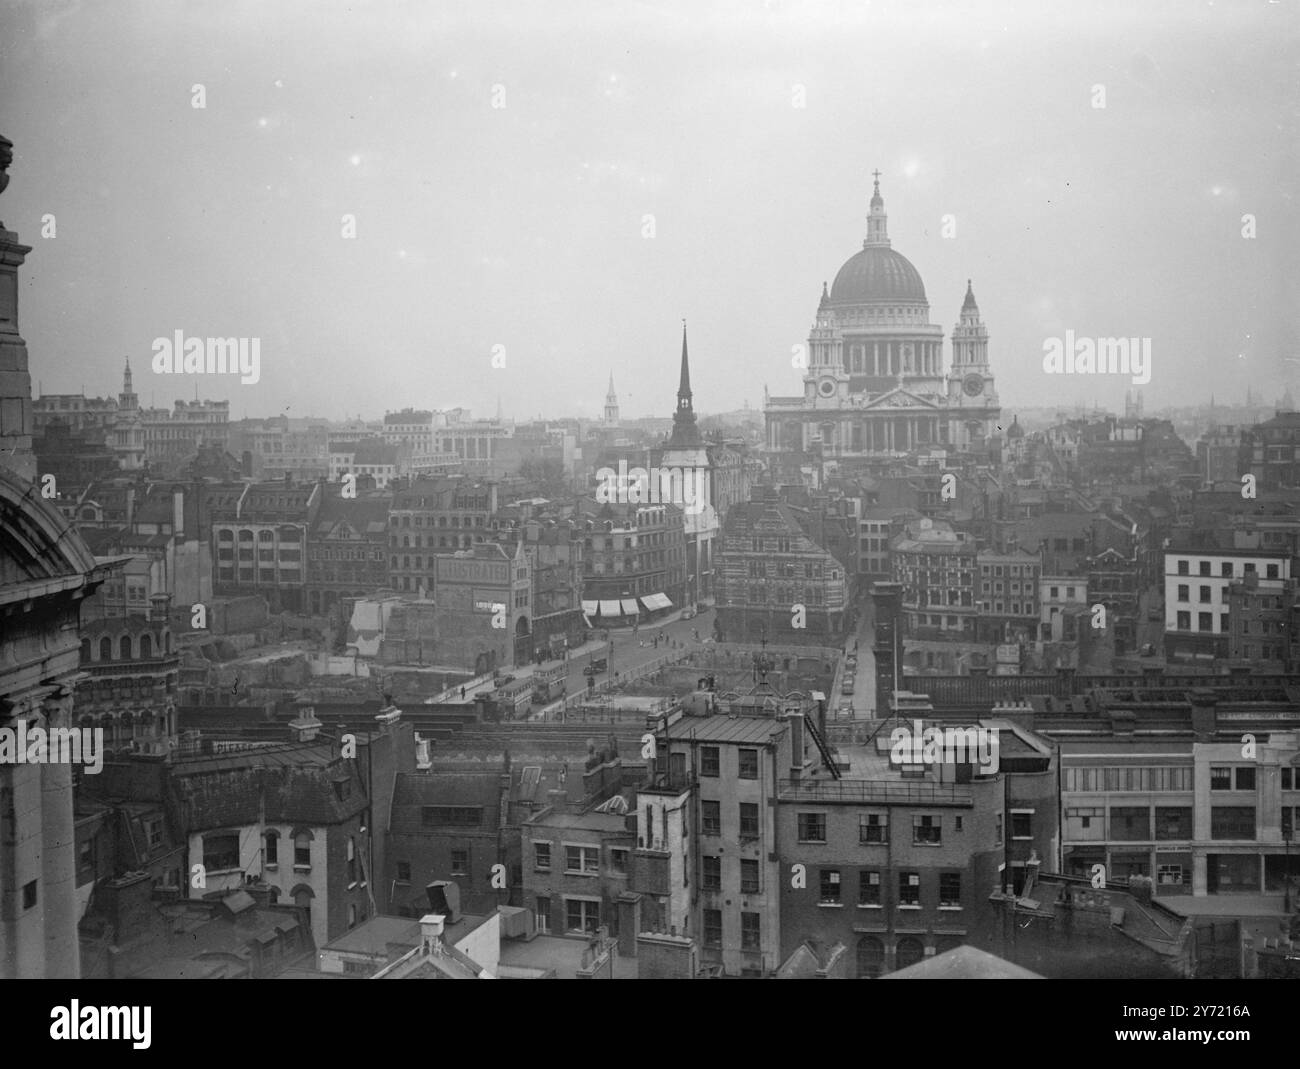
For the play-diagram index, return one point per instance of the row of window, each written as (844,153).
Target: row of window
(927,828)
(580,859)
(1169,823)
(1271,571)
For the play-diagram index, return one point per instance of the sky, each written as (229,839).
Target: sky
(559,185)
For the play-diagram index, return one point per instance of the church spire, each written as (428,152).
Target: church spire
(685,433)
(877,220)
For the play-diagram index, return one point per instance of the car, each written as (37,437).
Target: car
(688,614)
(851,661)
(1147,650)
(846,688)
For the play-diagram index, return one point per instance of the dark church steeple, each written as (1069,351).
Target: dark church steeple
(685,434)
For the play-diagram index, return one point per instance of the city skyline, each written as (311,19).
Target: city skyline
(1067,215)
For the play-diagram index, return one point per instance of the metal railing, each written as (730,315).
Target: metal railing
(868,791)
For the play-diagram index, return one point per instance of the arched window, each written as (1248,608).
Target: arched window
(302,839)
(105,649)
(871,957)
(225,536)
(265,536)
(406,541)
(126,727)
(245,535)
(909,952)
(272,855)
(124,648)
(146,647)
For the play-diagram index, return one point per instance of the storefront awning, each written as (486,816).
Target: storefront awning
(610,608)
(630,607)
(654,602)
(589,608)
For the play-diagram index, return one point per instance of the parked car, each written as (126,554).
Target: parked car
(846,688)
(688,614)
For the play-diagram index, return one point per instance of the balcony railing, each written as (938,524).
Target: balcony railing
(867,791)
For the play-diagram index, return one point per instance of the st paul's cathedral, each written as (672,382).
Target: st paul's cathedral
(875,386)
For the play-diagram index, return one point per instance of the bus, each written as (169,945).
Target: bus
(513,697)
(549,684)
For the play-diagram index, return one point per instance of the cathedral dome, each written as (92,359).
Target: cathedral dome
(877,273)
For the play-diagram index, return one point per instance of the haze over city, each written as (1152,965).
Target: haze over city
(748,134)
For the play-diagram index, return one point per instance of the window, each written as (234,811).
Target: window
(1232,822)
(748,764)
(1271,571)
(581,859)
(220,852)
(909,888)
(713,929)
(451,814)
(352,860)
(1225,570)
(618,859)
(29,895)
(1245,775)
(871,957)
(1205,621)
(950,889)
(710,762)
(711,876)
(997,829)
(1220,778)
(272,842)
(749,820)
(829,889)
(1130,823)
(812,827)
(542,857)
(542,913)
(1169,874)
(711,817)
(1173,822)
(403,872)
(153,833)
(582,915)
(1205,567)
(1022,823)
(460,862)
(1184,621)
(750,931)
(926,830)
(1184,592)
(1286,779)
(868,887)
(1205,594)
(749,876)
(302,850)
(873,828)
(1183,567)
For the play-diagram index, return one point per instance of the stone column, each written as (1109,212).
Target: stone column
(58,855)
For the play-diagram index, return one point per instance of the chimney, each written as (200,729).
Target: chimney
(444,899)
(431,933)
(304,727)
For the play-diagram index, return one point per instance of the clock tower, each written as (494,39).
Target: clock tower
(970,382)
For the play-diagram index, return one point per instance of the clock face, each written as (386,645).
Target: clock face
(973,385)
(827,387)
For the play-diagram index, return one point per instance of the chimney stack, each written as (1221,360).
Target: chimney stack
(431,932)
(304,727)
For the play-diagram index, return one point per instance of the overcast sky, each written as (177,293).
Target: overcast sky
(524,226)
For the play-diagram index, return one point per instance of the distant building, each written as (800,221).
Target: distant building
(1269,451)
(1197,583)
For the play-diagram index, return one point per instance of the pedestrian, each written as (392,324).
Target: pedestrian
(462,693)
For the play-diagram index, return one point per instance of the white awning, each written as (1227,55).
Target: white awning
(630,607)
(610,608)
(589,608)
(654,602)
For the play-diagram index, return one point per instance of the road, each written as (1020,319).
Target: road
(624,652)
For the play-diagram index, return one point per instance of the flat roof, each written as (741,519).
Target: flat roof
(735,729)
(374,936)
